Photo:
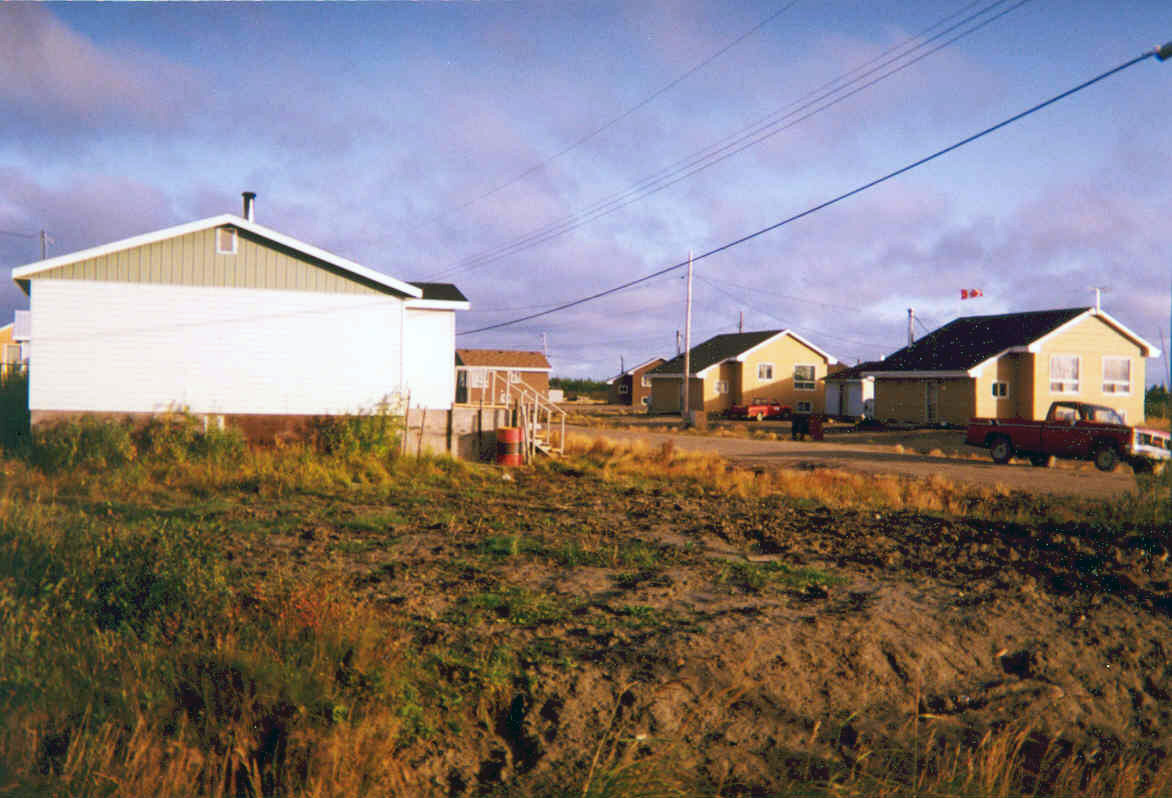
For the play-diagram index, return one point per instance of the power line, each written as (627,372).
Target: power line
(607,125)
(766,128)
(18,235)
(871,184)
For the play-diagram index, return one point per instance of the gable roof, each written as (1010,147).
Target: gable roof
(503,358)
(22,274)
(635,369)
(965,343)
(729,346)
(859,372)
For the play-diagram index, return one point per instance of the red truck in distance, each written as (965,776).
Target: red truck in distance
(1073,430)
(761,409)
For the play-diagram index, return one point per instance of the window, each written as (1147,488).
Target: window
(645,381)
(647,401)
(722,386)
(1064,374)
(514,376)
(1116,375)
(624,388)
(804,378)
(477,378)
(226,241)
(805,407)
(1001,390)
(764,372)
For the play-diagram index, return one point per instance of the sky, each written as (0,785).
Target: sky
(536,153)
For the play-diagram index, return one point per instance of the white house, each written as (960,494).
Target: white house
(224,316)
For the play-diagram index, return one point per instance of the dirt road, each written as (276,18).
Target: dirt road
(1063,478)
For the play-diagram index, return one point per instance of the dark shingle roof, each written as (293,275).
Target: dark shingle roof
(715,350)
(854,372)
(444,292)
(965,342)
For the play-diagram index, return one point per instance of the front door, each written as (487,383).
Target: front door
(932,402)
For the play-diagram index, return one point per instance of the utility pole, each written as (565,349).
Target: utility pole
(740,321)
(622,366)
(911,326)
(688,345)
(678,350)
(44,243)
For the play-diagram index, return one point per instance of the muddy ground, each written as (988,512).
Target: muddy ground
(743,644)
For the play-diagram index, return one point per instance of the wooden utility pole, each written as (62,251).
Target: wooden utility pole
(740,321)
(911,326)
(688,345)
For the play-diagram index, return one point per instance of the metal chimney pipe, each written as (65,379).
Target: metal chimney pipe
(249,200)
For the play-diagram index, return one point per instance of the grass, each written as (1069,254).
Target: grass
(180,615)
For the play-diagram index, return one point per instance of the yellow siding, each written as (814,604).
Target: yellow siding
(1091,339)
(906,400)
(1016,371)
(192,260)
(665,395)
(783,354)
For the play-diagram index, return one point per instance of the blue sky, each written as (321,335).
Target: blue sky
(449,141)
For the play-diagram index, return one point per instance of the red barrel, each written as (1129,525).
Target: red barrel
(508,446)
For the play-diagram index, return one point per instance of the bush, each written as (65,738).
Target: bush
(90,442)
(377,433)
(14,416)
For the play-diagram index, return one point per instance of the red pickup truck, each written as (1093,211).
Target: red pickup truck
(761,409)
(1072,430)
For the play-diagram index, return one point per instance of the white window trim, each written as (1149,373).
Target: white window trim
(235,235)
(624,389)
(802,384)
(645,381)
(514,375)
(760,367)
(1077,382)
(477,377)
(721,387)
(1005,393)
(1106,382)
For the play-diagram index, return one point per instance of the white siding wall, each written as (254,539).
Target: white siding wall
(126,347)
(430,361)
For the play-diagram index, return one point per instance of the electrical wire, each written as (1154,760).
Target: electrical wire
(748,137)
(18,235)
(823,205)
(611,123)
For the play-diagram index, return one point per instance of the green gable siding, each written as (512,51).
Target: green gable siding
(192,260)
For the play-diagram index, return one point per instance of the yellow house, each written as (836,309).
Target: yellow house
(1013,366)
(734,368)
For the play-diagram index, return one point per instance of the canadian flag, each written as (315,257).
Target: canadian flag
(970,293)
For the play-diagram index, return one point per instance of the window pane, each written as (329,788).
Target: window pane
(1117,369)
(805,373)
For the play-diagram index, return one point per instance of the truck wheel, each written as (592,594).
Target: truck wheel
(1040,460)
(1001,450)
(1106,458)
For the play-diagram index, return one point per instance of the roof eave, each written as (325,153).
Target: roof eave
(435,304)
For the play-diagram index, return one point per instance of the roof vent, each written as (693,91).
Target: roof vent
(249,201)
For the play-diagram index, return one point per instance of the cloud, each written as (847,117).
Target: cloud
(53,72)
